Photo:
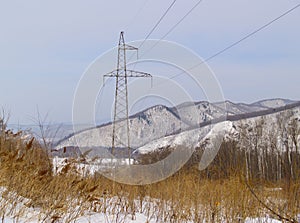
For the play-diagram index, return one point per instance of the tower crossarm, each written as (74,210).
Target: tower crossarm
(134,73)
(128,47)
(129,73)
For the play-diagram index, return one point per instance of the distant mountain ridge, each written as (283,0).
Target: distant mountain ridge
(160,121)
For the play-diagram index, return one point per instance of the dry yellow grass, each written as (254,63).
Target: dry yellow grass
(188,195)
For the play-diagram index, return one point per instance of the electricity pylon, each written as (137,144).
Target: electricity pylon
(121,133)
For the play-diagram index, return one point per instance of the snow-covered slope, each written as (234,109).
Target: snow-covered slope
(269,127)
(145,126)
(156,123)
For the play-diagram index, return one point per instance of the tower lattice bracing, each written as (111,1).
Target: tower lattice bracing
(121,128)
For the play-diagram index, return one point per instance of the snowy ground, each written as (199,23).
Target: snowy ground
(17,210)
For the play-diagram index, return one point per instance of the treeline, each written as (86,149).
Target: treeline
(262,151)
(232,160)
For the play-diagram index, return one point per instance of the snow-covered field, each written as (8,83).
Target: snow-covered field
(17,210)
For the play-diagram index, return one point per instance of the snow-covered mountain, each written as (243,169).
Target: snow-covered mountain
(270,131)
(160,126)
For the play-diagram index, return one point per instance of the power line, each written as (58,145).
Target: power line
(176,24)
(158,22)
(230,46)
(189,12)
(170,30)
(241,40)
(155,26)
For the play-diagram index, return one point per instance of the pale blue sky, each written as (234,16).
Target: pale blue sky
(47,45)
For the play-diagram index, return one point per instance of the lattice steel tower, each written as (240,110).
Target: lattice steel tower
(121,133)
